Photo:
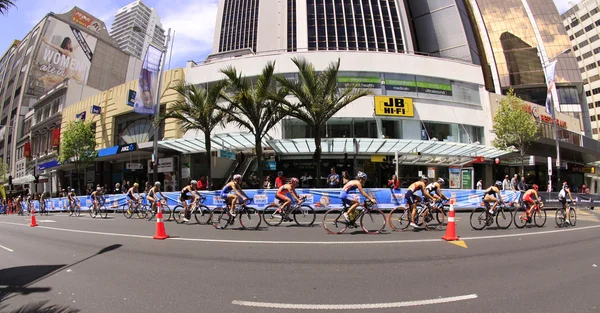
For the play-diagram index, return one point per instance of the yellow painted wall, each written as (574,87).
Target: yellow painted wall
(114,103)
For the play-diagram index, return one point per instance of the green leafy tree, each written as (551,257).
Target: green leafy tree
(515,126)
(78,146)
(197,109)
(3,172)
(317,98)
(252,105)
(5,5)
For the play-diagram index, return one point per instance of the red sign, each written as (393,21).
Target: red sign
(478,159)
(55,137)
(27,150)
(86,21)
(544,118)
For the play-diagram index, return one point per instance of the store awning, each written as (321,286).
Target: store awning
(27,179)
(385,147)
(226,141)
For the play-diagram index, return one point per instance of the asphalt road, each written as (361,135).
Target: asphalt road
(113,265)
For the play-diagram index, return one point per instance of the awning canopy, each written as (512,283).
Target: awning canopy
(226,141)
(27,179)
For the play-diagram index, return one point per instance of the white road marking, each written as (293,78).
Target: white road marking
(7,249)
(352,306)
(312,242)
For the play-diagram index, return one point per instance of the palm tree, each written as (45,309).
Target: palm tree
(197,109)
(5,5)
(318,99)
(253,105)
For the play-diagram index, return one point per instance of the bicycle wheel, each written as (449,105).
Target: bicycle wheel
(504,219)
(103,212)
(127,211)
(479,218)
(140,211)
(78,210)
(178,214)
(305,215)
(539,218)
(271,216)
(166,211)
(559,217)
(572,216)
(435,219)
(333,222)
(221,218)
(93,212)
(203,215)
(520,217)
(372,222)
(150,214)
(399,218)
(250,218)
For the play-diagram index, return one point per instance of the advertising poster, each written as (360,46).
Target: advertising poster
(454,179)
(65,53)
(467,178)
(147,84)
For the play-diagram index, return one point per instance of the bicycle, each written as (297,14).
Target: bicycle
(43,210)
(303,214)
(75,208)
(249,217)
(202,214)
(164,207)
(138,208)
(481,217)
(428,214)
(372,221)
(561,213)
(537,215)
(98,209)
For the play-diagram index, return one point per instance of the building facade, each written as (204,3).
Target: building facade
(137,14)
(582,23)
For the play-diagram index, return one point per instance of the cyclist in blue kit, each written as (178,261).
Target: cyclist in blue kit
(352,185)
(232,198)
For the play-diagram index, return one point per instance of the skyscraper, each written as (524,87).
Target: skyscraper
(142,16)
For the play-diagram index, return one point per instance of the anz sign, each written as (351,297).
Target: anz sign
(127,148)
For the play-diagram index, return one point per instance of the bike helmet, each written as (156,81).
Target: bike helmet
(294,181)
(280,173)
(136,185)
(535,187)
(98,188)
(157,184)
(194,182)
(565,185)
(361,175)
(440,181)
(237,177)
(72,190)
(424,178)
(498,183)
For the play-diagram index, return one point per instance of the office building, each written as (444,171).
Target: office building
(148,21)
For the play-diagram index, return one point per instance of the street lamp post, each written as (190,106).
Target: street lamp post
(165,47)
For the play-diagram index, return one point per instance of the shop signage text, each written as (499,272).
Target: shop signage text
(544,118)
(394,106)
(165,165)
(227,155)
(96,109)
(127,148)
(134,166)
(86,21)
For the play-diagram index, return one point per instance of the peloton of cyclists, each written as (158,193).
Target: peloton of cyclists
(361,179)
(231,198)
(412,199)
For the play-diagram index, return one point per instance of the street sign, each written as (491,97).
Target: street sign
(96,109)
(227,155)
(134,166)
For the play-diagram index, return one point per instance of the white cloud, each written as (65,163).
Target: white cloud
(194,25)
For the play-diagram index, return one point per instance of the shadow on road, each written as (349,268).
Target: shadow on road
(16,280)
(40,307)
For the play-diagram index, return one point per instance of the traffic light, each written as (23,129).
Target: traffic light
(10,179)
(36,179)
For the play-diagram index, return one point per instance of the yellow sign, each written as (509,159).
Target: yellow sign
(381,158)
(394,106)
(591,170)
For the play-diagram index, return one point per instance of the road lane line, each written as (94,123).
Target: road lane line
(7,249)
(368,306)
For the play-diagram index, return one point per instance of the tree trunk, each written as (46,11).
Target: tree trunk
(522,162)
(259,166)
(207,146)
(317,157)
(84,175)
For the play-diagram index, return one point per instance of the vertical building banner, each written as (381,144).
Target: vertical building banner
(550,74)
(65,54)
(55,137)
(145,96)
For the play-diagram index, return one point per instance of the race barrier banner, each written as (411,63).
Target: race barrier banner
(321,199)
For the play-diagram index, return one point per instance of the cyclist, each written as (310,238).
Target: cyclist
(562,198)
(412,199)
(492,195)
(361,179)
(28,199)
(187,193)
(43,202)
(19,205)
(528,200)
(289,188)
(232,198)
(151,197)
(71,197)
(96,195)
(131,198)
(435,190)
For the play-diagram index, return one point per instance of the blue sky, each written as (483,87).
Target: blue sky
(192,20)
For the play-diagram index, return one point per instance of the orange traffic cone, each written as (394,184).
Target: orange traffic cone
(33,222)
(161,234)
(451,227)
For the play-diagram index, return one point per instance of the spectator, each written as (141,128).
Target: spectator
(506,183)
(253,181)
(514,182)
(267,183)
(305,180)
(583,188)
(480,185)
(117,189)
(345,178)
(202,183)
(394,182)
(333,179)
(522,187)
(280,180)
